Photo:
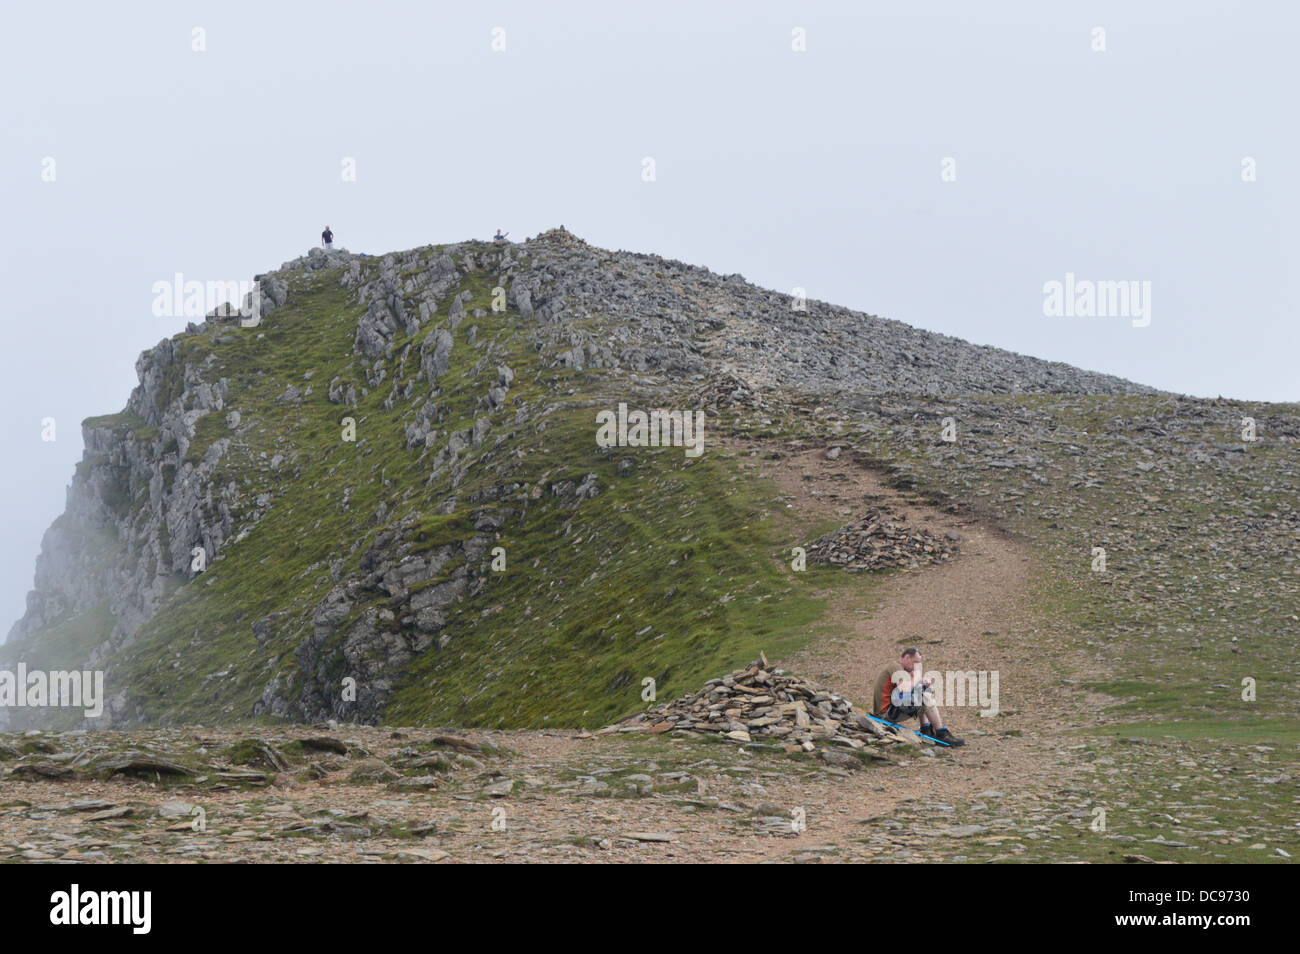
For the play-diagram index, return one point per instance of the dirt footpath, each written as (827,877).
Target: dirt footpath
(970,613)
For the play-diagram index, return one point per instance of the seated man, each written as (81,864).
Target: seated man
(900,696)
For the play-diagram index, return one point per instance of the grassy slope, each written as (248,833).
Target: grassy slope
(555,639)
(669,573)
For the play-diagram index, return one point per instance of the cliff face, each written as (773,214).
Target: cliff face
(138,505)
(291,519)
(134,505)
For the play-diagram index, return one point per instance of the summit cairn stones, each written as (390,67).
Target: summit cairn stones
(879,540)
(724,391)
(762,705)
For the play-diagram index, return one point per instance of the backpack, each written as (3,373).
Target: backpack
(882,689)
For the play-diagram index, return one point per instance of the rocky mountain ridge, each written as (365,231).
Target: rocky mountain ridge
(201,455)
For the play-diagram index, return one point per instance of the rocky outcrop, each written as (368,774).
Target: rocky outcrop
(142,508)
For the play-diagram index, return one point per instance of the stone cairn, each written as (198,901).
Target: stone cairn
(879,540)
(724,391)
(759,704)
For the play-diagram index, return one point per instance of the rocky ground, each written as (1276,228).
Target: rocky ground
(398,795)
(1027,786)
(420,795)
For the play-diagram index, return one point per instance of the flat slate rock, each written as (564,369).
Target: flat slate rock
(656,836)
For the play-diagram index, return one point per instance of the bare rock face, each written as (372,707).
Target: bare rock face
(137,485)
(435,360)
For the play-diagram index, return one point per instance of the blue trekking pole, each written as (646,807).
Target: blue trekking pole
(913,731)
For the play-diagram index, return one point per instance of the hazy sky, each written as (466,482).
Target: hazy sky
(822,169)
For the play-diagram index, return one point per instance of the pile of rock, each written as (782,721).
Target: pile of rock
(723,391)
(761,704)
(881,539)
(562,238)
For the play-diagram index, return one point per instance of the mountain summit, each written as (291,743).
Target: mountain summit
(386,499)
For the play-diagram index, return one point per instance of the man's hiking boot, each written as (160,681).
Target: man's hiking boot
(943,735)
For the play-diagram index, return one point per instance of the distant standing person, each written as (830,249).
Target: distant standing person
(327,238)
(500,237)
